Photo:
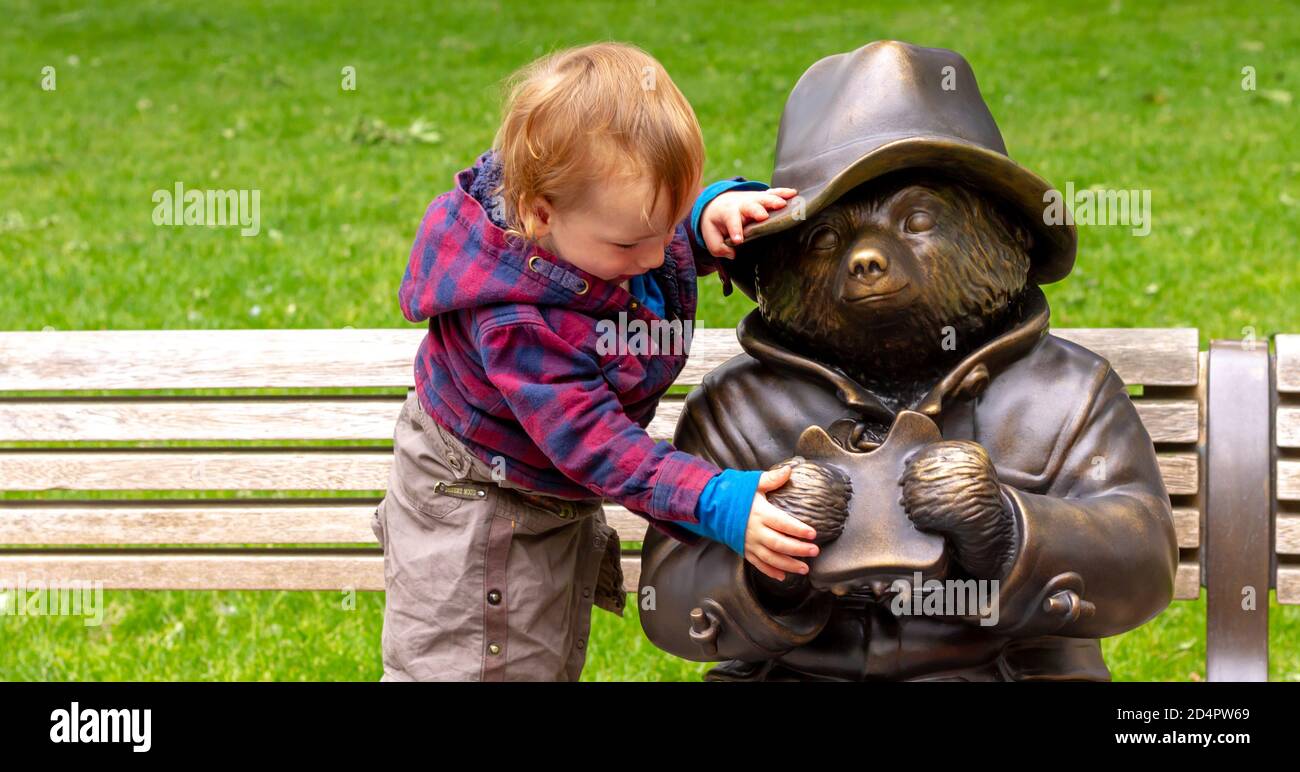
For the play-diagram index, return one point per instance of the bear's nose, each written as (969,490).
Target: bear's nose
(868,263)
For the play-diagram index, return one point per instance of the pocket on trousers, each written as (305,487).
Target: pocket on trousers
(610,594)
(423,467)
(426,497)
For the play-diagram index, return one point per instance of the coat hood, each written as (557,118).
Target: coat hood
(462,258)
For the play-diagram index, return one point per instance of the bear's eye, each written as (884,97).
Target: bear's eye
(919,222)
(824,237)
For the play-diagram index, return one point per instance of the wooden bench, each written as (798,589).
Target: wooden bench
(294,510)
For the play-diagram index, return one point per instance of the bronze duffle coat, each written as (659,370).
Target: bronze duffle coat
(1091,509)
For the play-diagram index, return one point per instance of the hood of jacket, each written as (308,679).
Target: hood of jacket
(462,258)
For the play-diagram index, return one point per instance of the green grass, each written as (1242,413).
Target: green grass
(310,636)
(235,95)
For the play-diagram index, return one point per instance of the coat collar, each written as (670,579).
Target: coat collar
(968,378)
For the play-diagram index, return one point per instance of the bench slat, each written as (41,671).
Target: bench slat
(197,522)
(361,571)
(1181,473)
(1187,525)
(201,359)
(194,359)
(1187,582)
(244,522)
(287,571)
(217,570)
(246,359)
(201,570)
(196,470)
(1288,427)
(1170,420)
(1288,585)
(1287,538)
(371,418)
(136,420)
(1288,363)
(307,469)
(1150,357)
(1288,480)
(356,571)
(225,420)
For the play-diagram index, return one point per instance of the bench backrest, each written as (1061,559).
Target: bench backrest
(295,508)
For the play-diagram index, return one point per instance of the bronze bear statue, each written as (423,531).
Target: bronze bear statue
(901,340)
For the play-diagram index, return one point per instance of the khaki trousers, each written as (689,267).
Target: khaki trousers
(485,580)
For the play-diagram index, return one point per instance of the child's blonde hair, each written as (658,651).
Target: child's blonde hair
(582,114)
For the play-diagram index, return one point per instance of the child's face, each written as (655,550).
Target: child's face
(605,234)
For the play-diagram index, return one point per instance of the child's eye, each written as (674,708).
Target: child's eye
(625,246)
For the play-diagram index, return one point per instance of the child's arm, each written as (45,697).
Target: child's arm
(720,212)
(724,217)
(562,400)
(713,191)
(734,510)
(724,505)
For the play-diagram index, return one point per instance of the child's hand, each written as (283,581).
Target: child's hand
(768,537)
(726,215)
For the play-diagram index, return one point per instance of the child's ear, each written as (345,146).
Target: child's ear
(542,212)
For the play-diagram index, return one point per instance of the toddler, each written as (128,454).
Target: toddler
(522,422)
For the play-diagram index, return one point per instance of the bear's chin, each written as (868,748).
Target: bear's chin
(904,345)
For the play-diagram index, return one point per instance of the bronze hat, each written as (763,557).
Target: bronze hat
(887,106)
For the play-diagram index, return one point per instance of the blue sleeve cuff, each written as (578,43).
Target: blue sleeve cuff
(723,508)
(713,191)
